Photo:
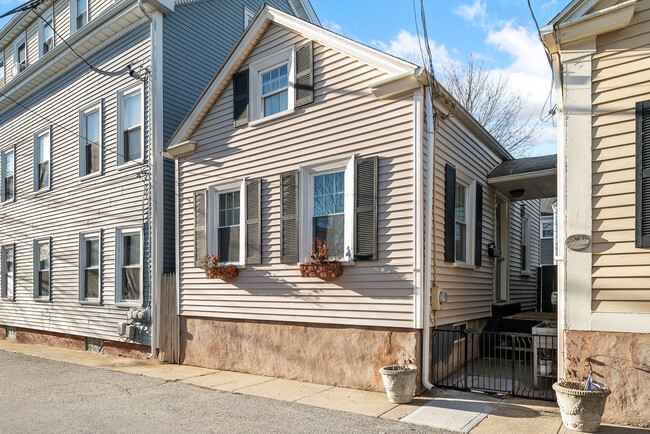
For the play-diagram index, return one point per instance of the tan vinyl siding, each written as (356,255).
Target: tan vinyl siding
(61,20)
(72,206)
(32,44)
(9,62)
(97,7)
(344,119)
(620,71)
(470,291)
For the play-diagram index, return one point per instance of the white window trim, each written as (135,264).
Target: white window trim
(212,216)
(248,16)
(120,121)
(82,267)
(17,44)
(45,132)
(41,27)
(119,233)
(542,220)
(256,69)
(73,15)
(3,280)
(3,164)
(306,173)
(35,261)
(99,106)
(470,218)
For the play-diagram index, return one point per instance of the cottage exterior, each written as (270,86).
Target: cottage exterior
(600,53)
(304,134)
(86,214)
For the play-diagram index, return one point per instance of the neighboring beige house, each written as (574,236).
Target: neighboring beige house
(301,129)
(601,59)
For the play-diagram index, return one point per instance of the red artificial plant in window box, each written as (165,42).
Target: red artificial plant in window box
(320,264)
(213,270)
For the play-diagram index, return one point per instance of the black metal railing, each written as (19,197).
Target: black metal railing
(517,364)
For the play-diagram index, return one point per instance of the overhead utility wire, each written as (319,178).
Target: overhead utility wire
(552,110)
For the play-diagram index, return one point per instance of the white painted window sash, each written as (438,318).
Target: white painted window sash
(256,69)
(212,216)
(37,269)
(120,234)
(83,237)
(83,115)
(121,128)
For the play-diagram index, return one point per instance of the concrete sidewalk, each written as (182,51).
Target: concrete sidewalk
(444,409)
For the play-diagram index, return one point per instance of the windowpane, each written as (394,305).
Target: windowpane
(229,244)
(228,227)
(329,194)
(9,270)
(331,229)
(132,110)
(275,79)
(276,103)
(461,242)
(43,148)
(22,57)
(92,252)
(91,148)
(460,203)
(44,256)
(43,175)
(131,284)
(547,229)
(48,40)
(131,250)
(44,283)
(81,6)
(43,269)
(132,146)
(9,164)
(92,283)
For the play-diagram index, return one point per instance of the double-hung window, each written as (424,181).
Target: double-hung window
(42,269)
(2,69)
(328,205)
(226,233)
(90,276)
(130,131)
(7,278)
(129,259)
(8,175)
(46,34)
(42,147)
(272,85)
(90,141)
(20,57)
(461,216)
(81,13)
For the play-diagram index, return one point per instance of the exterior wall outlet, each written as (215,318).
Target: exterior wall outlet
(130,331)
(121,328)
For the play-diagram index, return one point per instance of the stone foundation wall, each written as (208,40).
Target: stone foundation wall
(73,342)
(338,356)
(621,361)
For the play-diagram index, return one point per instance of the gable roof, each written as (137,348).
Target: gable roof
(264,17)
(583,18)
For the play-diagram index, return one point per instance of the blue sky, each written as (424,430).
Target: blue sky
(501,32)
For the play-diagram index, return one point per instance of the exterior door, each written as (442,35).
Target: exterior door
(501,241)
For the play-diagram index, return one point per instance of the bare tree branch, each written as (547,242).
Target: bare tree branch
(485,94)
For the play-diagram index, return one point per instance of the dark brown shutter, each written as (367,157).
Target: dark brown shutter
(642,207)
(200,249)
(289,217)
(478,229)
(365,209)
(240,104)
(254,221)
(450,212)
(304,74)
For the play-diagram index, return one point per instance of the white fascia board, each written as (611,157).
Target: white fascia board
(382,61)
(598,23)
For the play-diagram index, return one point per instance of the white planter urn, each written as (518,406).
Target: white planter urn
(581,410)
(399,382)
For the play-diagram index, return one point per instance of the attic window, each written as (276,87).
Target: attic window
(273,93)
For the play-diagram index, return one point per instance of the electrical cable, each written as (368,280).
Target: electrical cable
(552,110)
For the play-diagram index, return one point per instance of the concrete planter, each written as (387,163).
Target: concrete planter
(581,409)
(399,382)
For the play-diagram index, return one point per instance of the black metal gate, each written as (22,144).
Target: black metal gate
(517,364)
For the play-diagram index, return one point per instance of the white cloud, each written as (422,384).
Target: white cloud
(331,25)
(407,46)
(472,12)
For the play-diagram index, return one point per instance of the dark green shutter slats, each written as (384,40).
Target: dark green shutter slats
(642,206)
(478,237)
(304,74)
(289,217)
(240,103)
(254,221)
(365,209)
(199,228)
(450,212)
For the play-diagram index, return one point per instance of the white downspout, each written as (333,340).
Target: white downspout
(426,287)
(561,206)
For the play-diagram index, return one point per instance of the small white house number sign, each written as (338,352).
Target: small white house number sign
(577,241)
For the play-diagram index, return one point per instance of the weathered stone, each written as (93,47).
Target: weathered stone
(620,361)
(333,355)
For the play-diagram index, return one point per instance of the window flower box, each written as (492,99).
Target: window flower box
(328,270)
(221,272)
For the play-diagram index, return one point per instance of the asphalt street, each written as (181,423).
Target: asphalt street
(44,396)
